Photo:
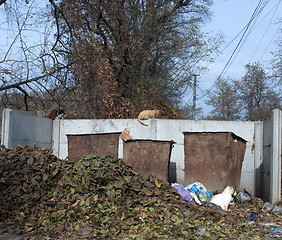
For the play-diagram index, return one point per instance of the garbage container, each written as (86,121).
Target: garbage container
(213,158)
(148,156)
(101,144)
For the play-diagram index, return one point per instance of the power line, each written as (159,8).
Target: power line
(250,26)
(271,40)
(254,15)
(244,28)
(261,5)
(267,27)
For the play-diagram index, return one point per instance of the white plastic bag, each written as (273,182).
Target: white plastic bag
(197,187)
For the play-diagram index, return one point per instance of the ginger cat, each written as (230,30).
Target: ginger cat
(146,114)
(125,135)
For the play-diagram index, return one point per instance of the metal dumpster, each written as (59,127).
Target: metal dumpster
(213,158)
(148,156)
(100,144)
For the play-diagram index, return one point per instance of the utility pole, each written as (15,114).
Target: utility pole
(194,96)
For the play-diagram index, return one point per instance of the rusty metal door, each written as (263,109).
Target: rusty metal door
(213,158)
(148,156)
(100,144)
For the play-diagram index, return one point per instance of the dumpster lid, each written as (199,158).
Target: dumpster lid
(231,133)
(85,134)
(150,140)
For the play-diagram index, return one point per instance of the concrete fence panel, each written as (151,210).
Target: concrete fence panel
(25,128)
(271,170)
(262,160)
(166,130)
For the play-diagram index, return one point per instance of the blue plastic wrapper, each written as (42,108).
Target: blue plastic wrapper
(197,187)
(203,197)
(183,192)
(253,215)
(209,193)
(276,230)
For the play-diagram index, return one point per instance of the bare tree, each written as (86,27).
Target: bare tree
(277,61)
(257,93)
(108,59)
(131,55)
(27,62)
(2,1)
(225,100)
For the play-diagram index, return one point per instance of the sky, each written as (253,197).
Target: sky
(230,17)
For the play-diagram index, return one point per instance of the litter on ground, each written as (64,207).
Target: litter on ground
(43,197)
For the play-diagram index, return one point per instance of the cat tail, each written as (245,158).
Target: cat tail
(142,122)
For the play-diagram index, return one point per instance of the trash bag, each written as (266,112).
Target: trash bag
(205,197)
(200,231)
(198,188)
(253,215)
(218,208)
(276,230)
(183,192)
(267,206)
(277,209)
(209,194)
(196,198)
(243,197)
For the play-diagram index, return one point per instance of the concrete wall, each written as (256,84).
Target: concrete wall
(261,171)
(162,129)
(26,129)
(271,168)
(1,111)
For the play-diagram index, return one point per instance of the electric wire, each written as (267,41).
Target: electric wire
(244,28)
(250,26)
(256,13)
(265,31)
(261,5)
(258,10)
(276,6)
(272,39)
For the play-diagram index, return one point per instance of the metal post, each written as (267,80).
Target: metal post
(194,96)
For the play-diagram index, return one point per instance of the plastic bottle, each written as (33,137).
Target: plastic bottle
(267,206)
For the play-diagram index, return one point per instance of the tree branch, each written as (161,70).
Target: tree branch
(16,85)
(56,11)
(25,97)
(2,1)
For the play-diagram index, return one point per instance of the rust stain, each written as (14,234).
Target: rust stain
(213,158)
(100,144)
(148,156)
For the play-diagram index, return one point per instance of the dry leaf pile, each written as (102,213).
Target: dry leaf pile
(101,198)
